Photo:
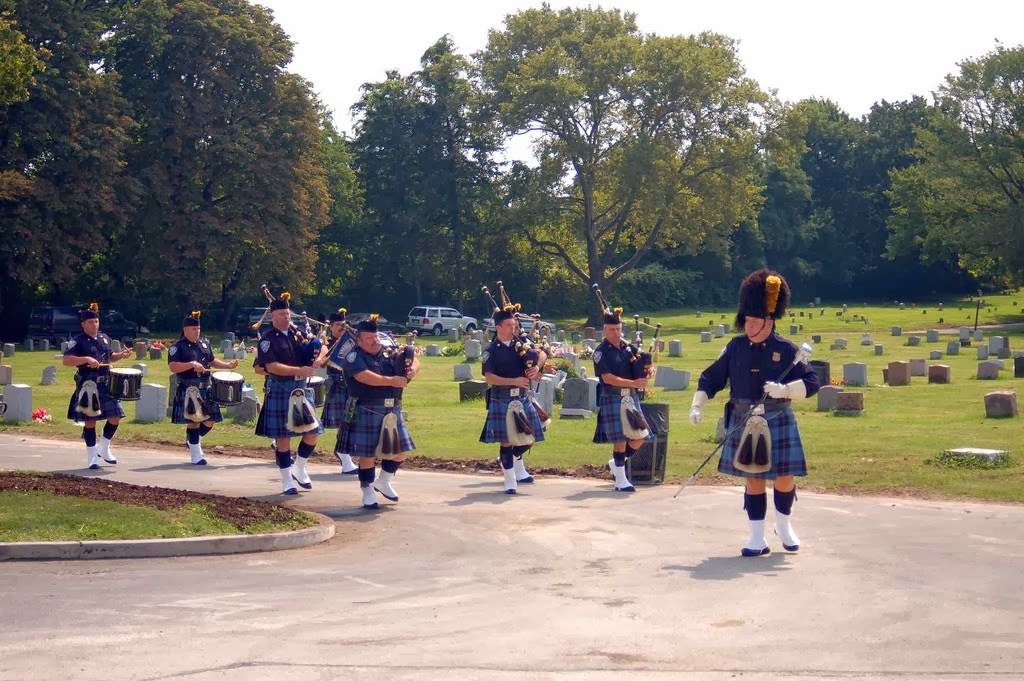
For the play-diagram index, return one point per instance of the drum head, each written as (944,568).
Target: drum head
(126,372)
(229,376)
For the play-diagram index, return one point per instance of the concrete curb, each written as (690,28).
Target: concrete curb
(169,548)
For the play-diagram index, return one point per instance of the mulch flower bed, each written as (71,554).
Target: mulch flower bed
(240,512)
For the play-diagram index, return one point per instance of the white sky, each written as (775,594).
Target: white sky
(854,53)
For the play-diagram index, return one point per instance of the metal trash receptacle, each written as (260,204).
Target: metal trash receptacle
(647,467)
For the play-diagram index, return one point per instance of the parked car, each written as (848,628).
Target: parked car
(527,326)
(383,325)
(436,320)
(247,316)
(60,323)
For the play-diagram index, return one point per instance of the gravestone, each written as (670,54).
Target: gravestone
(463,372)
(827,397)
(823,370)
(938,373)
(816,339)
(240,354)
(849,403)
(44,345)
(471,390)
(8,349)
(576,337)
(141,367)
(453,335)
(6,374)
(976,454)
(478,336)
(589,343)
(592,385)
(576,399)
(705,336)
(150,407)
(63,348)
(979,335)
(935,354)
(18,403)
(982,352)
(671,379)
(226,346)
(988,371)
(953,348)
(793,329)
(546,393)
(560,335)
(995,344)
(247,410)
(140,350)
(719,330)
(433,350)
(1001,404)
(914,340)
(660,345)
(918,367)
(879,349)
(49,376)
(473,350)
(817,301)
(845,308)
(589,332)
(573,359)
(1004,352)
(897,330)
(29,345)
(116,346)
(838,344)
(999,363)
(230,336)
(899,373)
(229,354)
(675,348)
(866,340)
(965,333)
(855,373)
(933,336)
(1018,367)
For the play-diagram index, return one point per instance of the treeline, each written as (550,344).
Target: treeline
(158,156)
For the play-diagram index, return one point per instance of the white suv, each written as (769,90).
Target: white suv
(437,320)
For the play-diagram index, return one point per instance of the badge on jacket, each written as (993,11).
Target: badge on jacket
(776,357)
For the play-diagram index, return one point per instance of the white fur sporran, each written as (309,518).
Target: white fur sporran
(88,401)
(754,452)
(517,425)
(195,408)
(301,413)
(631,420)
(388,442)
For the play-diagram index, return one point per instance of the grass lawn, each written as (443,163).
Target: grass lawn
(890,449)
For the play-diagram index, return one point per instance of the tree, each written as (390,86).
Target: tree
(642,140)
(18,61)
(965,197)
(230,152)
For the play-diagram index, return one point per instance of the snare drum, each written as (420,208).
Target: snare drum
(319,387)
(227,387)
(125,384)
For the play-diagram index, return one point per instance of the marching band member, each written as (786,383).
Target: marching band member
(619,419)
(91,401)
(376,428)
(191,358)
(509,364)
(288,409)
(768,447)
(337,392)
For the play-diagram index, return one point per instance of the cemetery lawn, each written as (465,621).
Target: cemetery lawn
(55,507)
(891,449)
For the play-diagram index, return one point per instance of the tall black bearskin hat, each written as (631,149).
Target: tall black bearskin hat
(508,312)
(281,303)
(192,319)
(612,316)
(763,294)
(368,324)
(91,312)
(338,316)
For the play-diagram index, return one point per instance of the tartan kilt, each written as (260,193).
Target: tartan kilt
(178,406)
(360,438)
(787,450)
(110,407)
(609,420)
(334,406)
(495,427)
(273,418)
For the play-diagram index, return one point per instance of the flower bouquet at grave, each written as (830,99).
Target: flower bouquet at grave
(41,415)
(838,381)
(550,368)
(586,353)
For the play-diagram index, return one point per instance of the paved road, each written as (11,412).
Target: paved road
(569,580)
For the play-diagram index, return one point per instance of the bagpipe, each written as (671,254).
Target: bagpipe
(311,341)
(641,362)
(403,356)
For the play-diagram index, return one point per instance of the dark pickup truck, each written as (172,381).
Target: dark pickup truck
(57,324)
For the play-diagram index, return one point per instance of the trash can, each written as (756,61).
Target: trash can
(647,467)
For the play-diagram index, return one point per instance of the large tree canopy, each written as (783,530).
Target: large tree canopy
(642,139)
(965,199)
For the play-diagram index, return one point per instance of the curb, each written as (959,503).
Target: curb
(169,548)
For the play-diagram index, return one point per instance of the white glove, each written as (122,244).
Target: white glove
(795,390)
(697,406)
